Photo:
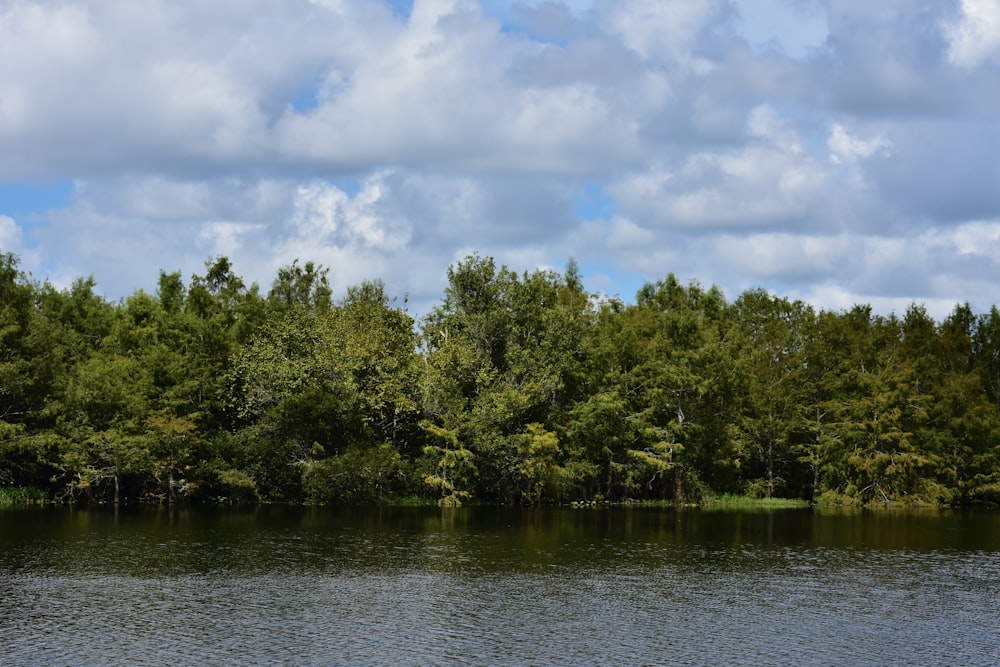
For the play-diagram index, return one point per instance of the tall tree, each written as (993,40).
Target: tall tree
(502,352)
(768,340)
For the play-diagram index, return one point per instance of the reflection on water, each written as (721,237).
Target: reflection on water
(278,585)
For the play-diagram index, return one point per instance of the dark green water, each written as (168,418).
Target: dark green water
(479,586)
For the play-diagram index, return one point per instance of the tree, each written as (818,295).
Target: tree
(374,343)
(517,387)
(882,410)
(104,410)
(172,444)
(685,403)
(500,353)
(16,353)
(290,409)
(539,454)
(454,467)
(768,343)
(301,287)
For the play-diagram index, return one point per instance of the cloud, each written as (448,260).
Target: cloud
(401,226)
(10,235)
(112,84)
(325,215)
(891,60)
(770,180)
(797,28)
(12,241)
(830,149)
(974,37)
(786,258)
(662,30)
(545,21)
(225,238)
(941,172)
(623,233)
(453,89)
(845,148)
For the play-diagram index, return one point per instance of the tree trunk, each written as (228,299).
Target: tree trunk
(815,493)
(770,469)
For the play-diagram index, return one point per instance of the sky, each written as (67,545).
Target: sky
(833,151)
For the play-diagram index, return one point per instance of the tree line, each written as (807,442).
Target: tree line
(515,388)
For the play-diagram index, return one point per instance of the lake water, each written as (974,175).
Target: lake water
(483,586)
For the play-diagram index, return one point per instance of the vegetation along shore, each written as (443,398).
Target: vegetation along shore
(515,388)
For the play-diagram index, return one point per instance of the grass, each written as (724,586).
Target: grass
(21,495)
(725,501)
(409,501)
(730,501)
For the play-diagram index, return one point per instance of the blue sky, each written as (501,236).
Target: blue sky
(839,152)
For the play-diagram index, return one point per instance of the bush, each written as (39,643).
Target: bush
(358,476)
(21,495)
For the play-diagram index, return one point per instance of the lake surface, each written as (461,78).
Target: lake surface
(485,586)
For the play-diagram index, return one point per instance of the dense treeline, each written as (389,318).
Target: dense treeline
(515,388)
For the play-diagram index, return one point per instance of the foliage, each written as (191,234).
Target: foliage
(729,501)
(515,388)
(454,468)
(358,476)
(21,495)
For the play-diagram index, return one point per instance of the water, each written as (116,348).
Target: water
(478,586)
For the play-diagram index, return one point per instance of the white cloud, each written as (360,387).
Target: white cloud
(977,238)
(795,27)
(225,238)
(12,241)
(975,36)
(661,30)
(845,148)
(419,94)
(11,238)
(769,181)
(765,123)
(404,227)
(622,233)
(115,83)
(325,215)
(938,268)
(787,257)
(812,145)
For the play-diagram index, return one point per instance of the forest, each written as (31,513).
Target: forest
(515,388)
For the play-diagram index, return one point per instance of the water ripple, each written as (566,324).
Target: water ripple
(343,595)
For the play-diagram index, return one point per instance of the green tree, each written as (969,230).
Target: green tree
(291,410)
(104,410)
(454,467)
(17,387)
(882,409)
(502,352)
(173,444)
(303,287)
(374,344)
(539,455)
(768,342)
(685,404)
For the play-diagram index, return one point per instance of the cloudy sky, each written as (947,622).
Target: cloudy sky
(837,151)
